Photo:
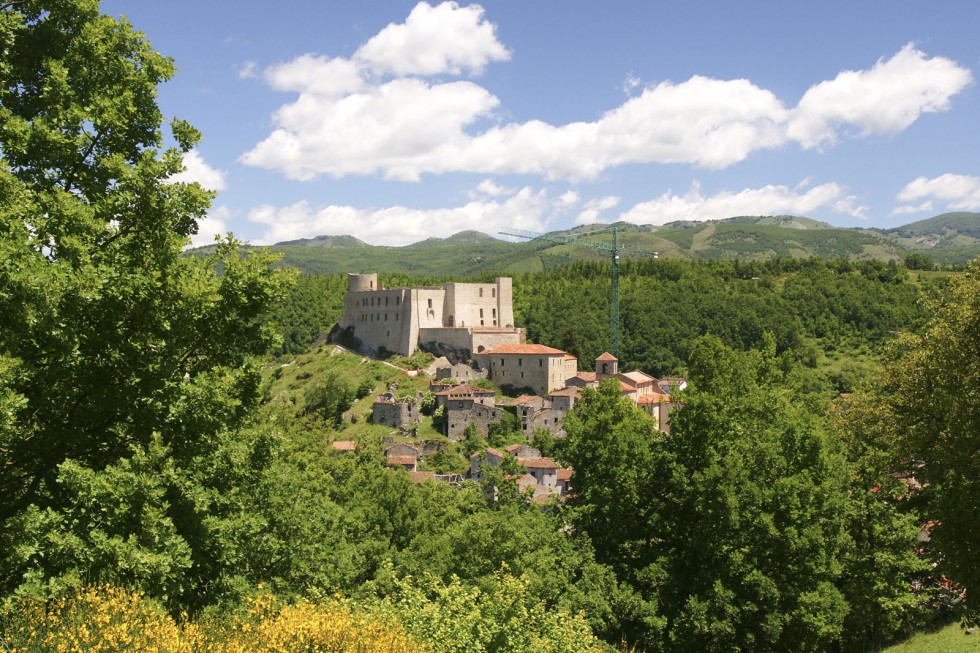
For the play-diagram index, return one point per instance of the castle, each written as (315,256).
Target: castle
(462,318)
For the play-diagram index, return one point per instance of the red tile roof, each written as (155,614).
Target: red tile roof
(402,460)
(543,350)
(464,390)
(492,452)
(565,473)
(538,463)
(588,377)
(344,445)
(567,392)
(652,399)
(523,399)
(418,477)
(606,356)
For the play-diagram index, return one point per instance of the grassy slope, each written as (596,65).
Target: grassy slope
(951,639)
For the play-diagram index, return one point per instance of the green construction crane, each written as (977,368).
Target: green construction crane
(613,248)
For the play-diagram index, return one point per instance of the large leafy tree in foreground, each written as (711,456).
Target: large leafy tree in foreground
(931,399)
(125,369)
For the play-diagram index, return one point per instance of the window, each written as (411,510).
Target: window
(495,313)
(493,292)
(481,292)
(501,362)
(540,362)
(430,302)
(481,312)
(386,301)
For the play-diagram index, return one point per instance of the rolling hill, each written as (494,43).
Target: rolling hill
(951,238)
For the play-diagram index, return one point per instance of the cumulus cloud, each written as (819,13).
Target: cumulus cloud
(768,200)
(593,208)
(197,169)
(380,112)
(215,224)
(958,192)
(885,99)
(434,40)
(526,209)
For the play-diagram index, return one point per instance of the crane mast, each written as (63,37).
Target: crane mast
(615,249)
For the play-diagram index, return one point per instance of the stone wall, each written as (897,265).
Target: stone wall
(396,414)
(481,416)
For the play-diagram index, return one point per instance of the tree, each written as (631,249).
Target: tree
(930,396)
(121,360)
(753,520)
(616,451)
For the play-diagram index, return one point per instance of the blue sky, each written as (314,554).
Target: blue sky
(398,121)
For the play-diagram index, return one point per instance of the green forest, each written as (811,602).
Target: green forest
(167,480)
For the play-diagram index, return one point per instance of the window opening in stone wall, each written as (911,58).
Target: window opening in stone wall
(430,303)
(481,292)
(493,292)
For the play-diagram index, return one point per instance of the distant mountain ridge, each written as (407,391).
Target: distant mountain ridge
(947,238)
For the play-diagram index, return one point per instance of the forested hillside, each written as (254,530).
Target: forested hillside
(950,239)
(836,315)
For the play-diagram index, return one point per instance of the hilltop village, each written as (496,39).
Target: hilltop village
(469,326)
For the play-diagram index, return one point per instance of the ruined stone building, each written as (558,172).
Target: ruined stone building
(462,318)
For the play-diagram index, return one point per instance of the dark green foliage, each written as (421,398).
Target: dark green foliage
(753,522)
(931,407)
(666,305)
(328,398)
(128,371)
(308,310)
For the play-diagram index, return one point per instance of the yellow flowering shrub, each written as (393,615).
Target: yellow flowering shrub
(111,619)
(93,619)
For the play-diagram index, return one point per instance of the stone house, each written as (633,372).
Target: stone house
(402,449)
(466,404)
(409,463)
(522,451)
(460,372)
(544,471)
(488,456)
(388,411)
(538,367)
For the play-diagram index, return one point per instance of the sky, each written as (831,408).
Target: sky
(399,121)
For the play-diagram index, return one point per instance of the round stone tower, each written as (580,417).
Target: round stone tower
(363,282)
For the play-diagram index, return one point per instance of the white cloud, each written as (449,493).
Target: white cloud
(959,192)
(398,225)
(351,118)
(593,208)
(196,169)
(446,38)
(248,70)
(885,99)
(769,200)
(918,208)
(318,75)
(487,188)
(215,224)
(403,127)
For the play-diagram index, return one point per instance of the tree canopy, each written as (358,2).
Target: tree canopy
(124,367)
